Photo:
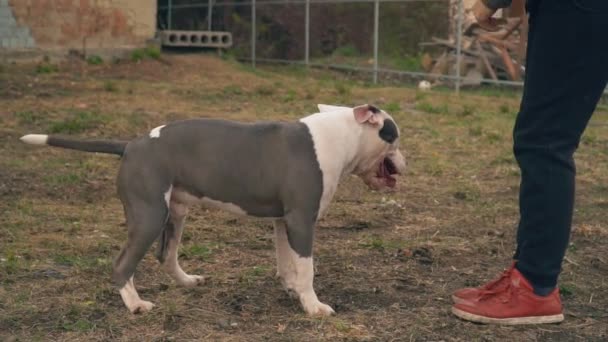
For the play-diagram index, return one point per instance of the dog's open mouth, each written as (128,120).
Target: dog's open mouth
(386,170)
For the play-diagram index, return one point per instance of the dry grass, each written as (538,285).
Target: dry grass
(387,262)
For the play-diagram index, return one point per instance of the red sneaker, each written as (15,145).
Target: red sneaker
(516,303)
(472,293)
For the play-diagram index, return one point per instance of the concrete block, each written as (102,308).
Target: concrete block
(17,43)
(3,3)
(7,22)
(9,43)
(217,39)
(20,34)
(10,32)
(6,12)
(29,42)
(22,42)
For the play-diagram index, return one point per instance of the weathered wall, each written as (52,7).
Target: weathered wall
(57,26)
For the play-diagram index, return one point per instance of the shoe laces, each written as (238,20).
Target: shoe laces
(491,286)
(503,293)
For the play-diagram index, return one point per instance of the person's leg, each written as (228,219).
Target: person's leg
(471,293)
(566,74)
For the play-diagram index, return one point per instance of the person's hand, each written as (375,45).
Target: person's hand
(483,14)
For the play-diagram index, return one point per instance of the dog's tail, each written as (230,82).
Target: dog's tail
(101,146)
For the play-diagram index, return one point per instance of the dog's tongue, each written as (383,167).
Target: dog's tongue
(385,174)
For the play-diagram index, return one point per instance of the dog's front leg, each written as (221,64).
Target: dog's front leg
(299,268)
(285,267)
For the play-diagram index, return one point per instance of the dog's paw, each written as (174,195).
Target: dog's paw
(141,306)
(319,309)
(192,281)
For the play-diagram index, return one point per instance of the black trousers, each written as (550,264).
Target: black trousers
(566,73)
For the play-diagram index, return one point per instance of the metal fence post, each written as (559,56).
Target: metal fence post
(307,34)
(209,14)
(253,33)
(169,5)
(459,45)
(376,29)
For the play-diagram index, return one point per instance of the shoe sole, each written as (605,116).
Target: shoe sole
(508,321)
(458,300)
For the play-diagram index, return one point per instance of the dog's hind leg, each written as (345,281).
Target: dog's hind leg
(169,244)
(145,222)
(130,297)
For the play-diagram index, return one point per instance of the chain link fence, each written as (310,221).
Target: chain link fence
(397,40)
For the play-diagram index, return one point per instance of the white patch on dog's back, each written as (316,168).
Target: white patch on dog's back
(155,133)
(168,196)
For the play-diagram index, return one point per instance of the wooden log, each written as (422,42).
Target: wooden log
(441,65)
(485,61)
(523,40)
(498,42)
(511,27)
(511,69)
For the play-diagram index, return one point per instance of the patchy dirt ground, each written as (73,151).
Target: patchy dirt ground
(387,262)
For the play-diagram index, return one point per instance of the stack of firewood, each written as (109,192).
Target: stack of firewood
(484,55)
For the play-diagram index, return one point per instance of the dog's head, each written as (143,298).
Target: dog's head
(378,158)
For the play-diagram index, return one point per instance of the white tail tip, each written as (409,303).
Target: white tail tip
(35,139)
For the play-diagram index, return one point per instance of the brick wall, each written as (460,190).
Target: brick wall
(91,26)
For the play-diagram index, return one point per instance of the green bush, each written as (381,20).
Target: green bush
(141,54)
(94,60)
(46,68)
(346,51)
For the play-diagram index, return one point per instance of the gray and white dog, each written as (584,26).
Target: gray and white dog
(284,171)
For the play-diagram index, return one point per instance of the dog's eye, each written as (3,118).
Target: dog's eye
(389,131)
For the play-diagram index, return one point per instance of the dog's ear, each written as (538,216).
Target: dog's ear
(367,113)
